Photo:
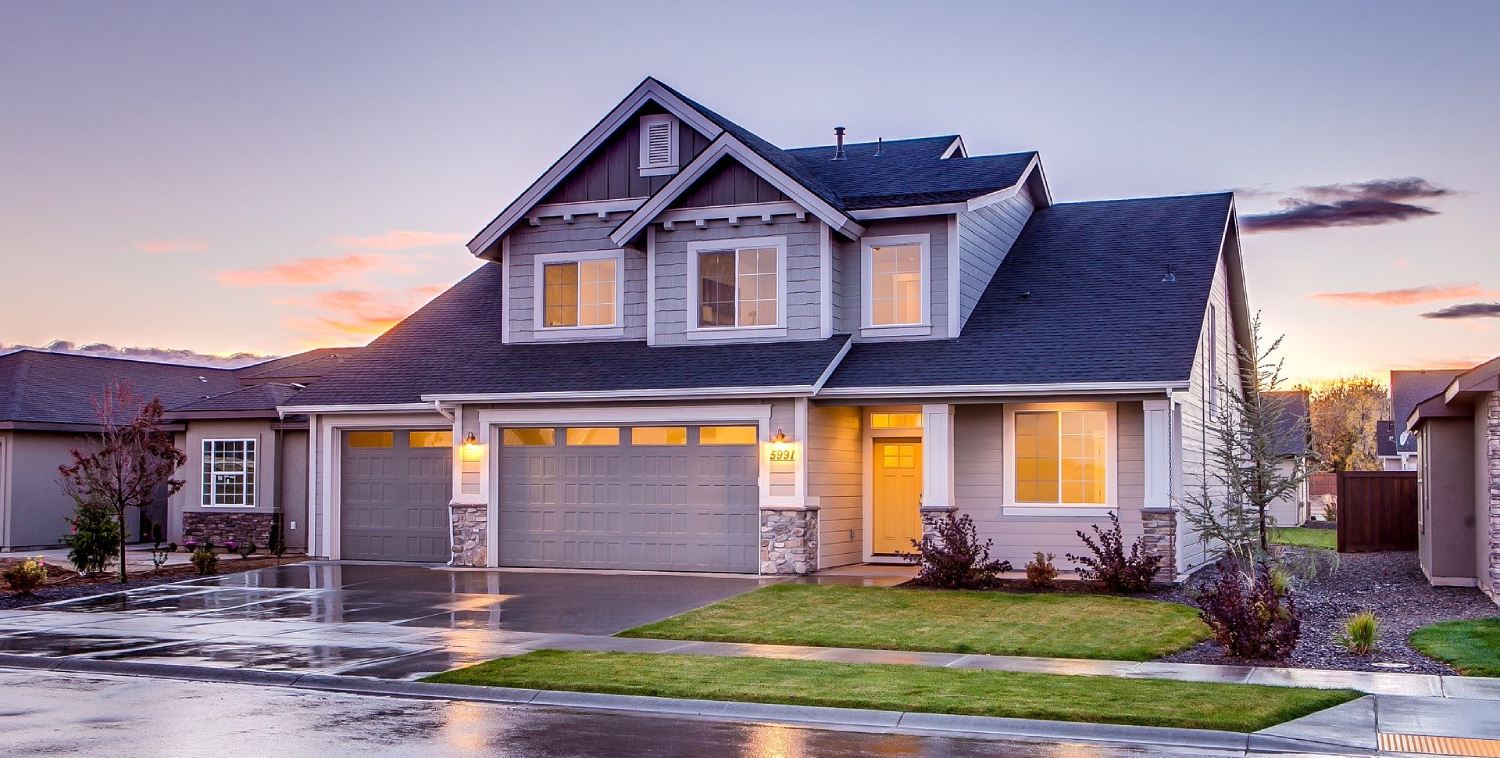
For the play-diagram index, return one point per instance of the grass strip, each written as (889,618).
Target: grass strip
(1472,647)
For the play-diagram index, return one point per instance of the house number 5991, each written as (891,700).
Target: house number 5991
(783,455)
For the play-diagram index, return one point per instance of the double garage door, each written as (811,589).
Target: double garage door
(675,498)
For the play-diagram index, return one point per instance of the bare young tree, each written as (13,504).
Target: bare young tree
(128,463)
(1244,476)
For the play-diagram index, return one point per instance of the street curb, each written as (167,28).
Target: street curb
(852,719)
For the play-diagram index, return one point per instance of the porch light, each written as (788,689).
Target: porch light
(780,437)
(471,439)
(472,450)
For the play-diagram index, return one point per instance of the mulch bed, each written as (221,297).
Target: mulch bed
(1390,584)
(63,584)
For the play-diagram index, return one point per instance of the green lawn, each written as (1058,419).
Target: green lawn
(1472,647)
(999,623)
(1301,536)
(1150,702)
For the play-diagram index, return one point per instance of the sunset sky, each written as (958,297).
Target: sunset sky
(269,177)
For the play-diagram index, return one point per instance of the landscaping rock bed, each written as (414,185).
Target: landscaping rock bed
(1390,584)
(66,585)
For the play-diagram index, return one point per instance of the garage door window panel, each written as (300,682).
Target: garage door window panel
(658,435)
(593,436)
(727,435)
(429,439)
(528,438)
(229,473)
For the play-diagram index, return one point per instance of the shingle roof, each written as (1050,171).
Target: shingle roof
(60,388)
(1079,298)
(312,363)
(1411,387)
(452,345)
(1295,408)
(260,397)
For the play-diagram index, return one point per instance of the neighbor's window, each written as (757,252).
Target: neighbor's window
(727,435)
(895,420)
(738,287)
(587,436)
(895,285)
(1061,457)
(579,293)
(658,435)
(229,473)
(527,438)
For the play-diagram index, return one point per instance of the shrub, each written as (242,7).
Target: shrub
(246,549)
(276,542)
(1246,613)
(1040,573)
(1110,566)
(26,575)
(205,560)
(1360,633)
(95,540)
(954,558)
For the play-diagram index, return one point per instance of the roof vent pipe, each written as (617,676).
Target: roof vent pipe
(1170,277)
(838,152)
(879,146)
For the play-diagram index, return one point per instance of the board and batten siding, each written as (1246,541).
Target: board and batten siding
(985,237)
(613,171)
(553,235)
(835,478)
(1195,433)
(728,183)
(848,281)
(979,487)
(802,287)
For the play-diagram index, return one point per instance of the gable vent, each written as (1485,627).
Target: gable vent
(658,145)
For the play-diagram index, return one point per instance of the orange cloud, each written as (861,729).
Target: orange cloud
(337,316)
(1408,296)
(306,272)
(398,239)
(157,247)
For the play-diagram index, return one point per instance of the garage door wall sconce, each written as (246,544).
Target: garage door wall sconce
(472,450)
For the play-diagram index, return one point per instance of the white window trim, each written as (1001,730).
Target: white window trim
(1111,464)
(539,296)
(674,162)
(695,249)
(251,447)
(923,325)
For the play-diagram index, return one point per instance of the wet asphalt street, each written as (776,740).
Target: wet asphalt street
(45,713)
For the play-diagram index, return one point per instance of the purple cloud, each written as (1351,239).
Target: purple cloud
(1466,310)
(1372,203)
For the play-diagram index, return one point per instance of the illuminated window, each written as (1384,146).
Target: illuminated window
(895,281)
(429,439)
(895,456)
(370,439)
(527,437)
(579,292)
(1061,457)
(739,287)
(895,421)
(658,435)
(229,473)
(591,436)
(727,435)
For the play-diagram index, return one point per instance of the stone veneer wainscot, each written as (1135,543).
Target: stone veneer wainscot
(789,541)
(470,534)
(222,527)
(1489,416)
(1161,539)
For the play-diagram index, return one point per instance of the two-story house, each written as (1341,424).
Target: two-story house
(689,349)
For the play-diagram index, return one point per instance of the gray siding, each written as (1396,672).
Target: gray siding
(979,486)
(673,297)
(268,483)
(613,171)
(729,183)
(291,487)
(984,239)
(1195,431)
(835,478)
(585,234)
(848,280)
(37,503)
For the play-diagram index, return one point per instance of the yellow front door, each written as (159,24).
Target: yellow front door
(897,490)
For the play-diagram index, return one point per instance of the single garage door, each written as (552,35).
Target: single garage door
(671,498)
(395,487)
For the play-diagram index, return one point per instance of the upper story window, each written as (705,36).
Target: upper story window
(739,286)
(1060,455)
(579,290)
(658,145)
(896,281)
(229,473)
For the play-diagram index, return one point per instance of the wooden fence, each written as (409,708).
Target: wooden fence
(1377,511)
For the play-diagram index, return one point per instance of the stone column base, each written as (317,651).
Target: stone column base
(470,524)
(789,541)
(1161,539)
(219,528)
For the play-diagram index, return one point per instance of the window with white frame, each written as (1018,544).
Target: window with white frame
(229,473)
(896,273)
(739,286)
(579,290)
(658,145)
(1060,456)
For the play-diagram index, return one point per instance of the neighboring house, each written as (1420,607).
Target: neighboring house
(689,349)
(1293,444)
(1396,448)
(47,408)
(1458,480)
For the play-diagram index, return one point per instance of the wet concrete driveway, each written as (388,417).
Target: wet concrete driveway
(381,620)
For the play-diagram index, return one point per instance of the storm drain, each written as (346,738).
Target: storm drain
(1422,743)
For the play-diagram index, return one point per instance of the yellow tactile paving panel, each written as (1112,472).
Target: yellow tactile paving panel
(1421,743)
